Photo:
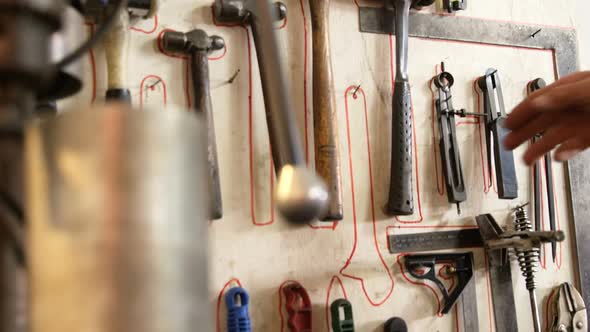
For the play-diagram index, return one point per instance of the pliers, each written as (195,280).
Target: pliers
(568,310)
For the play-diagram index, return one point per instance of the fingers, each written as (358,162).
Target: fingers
(561,97)
(577,76)
(539,124)
(553,137)
(571,131)
(569,149)
(568,79)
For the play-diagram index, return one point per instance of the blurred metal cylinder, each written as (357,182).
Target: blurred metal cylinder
(68,80)
(117,233)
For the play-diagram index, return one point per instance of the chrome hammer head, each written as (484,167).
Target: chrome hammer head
(192,41)
(301,196)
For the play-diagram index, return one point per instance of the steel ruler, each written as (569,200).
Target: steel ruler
(465,238)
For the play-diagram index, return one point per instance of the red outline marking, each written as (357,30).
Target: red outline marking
(549,299)
(217,318)
(142,90)
(150,31)
(351,171)
(250,139)
(328,293)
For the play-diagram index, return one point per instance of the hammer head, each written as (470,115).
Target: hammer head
(231,11)
(240,11)
(98,10)
(143,8)
(190,42)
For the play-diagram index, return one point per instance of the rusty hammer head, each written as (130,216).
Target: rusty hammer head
(240,11)
(190,42)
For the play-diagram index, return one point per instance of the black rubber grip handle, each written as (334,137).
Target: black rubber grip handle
(504,162)
(401,200)
(121,95)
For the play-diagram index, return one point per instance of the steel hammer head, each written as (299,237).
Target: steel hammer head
(98,10)
(143,8)
(240,11)
(190,42)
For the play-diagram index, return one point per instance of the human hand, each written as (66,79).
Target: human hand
(561,111)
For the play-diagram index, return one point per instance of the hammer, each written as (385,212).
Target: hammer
(116,44)
(301,195)
(401,201)
(325,121)
(197,44)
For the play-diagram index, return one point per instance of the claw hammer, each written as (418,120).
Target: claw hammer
(401,201)
(301,196)
(197,44)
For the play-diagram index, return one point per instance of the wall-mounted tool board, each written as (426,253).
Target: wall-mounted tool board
(252,245)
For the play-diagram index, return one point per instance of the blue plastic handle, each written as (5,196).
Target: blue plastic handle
(238,318)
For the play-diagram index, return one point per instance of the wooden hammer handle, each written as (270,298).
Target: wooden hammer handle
(325,120)
(203,106)
(116,44)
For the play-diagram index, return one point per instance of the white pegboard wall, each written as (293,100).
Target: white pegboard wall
(254,246)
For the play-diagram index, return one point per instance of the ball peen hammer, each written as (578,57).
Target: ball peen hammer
(116,44)
(325,121)
(301,196)
(401,201)
(197,44)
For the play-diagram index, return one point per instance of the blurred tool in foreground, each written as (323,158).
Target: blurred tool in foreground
(99,223)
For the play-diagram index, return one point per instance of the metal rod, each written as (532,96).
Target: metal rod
(550,200)
(535,310)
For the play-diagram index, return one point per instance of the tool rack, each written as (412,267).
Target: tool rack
(251,245)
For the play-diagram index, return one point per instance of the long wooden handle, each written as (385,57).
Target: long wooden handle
(325,120)
(116,44)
